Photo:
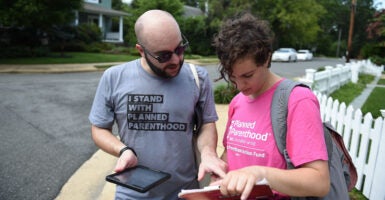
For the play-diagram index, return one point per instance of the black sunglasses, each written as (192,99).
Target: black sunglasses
(166,55)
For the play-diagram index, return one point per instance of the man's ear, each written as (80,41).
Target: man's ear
(140,49)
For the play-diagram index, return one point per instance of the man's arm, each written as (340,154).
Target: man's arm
(106,141)
(207,146)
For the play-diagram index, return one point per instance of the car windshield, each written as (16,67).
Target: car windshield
(283,50)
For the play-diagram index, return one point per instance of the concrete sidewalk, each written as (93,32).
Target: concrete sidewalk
(88,182)
(359,101)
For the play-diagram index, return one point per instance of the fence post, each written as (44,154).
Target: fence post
(377,190)
(330,75)
(309,78)
(382,112)
(355,71)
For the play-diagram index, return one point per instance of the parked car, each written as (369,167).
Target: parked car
(304,54)
(285,54)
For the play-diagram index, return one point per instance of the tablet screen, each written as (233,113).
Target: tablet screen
(139,178)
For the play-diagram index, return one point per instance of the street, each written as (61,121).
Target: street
(45,132)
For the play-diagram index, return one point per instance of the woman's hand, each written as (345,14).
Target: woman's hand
(242,181)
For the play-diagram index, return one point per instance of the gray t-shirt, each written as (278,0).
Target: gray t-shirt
(154,116)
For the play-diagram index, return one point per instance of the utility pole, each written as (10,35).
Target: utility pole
(352,11)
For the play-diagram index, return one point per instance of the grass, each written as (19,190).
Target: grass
(375,101)
(373,104)
(356,195)
(381,82)
(349,91)
(82,57)
(71,57)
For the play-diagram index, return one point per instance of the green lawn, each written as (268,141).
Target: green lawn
(375,101)
(71,57)
(349,91)
(82,57)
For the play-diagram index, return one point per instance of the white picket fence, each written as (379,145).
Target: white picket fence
(332,78)
(362,135)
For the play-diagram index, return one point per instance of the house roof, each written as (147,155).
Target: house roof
(94,8)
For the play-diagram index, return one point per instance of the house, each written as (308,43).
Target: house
(110,21)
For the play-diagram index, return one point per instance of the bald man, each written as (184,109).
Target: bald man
(152,101)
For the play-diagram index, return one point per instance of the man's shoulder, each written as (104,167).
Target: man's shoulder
(202,71)
(120,67)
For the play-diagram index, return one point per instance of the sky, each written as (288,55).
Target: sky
(379,4)
(126,1)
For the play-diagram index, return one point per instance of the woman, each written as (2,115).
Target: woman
(244,48)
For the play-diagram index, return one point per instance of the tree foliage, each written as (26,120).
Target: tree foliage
(336,23)
(41,14)
(295,23)
(376,28)
(320,25)
(375,47)
(28,23)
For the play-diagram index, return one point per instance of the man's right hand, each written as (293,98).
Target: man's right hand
(126,160)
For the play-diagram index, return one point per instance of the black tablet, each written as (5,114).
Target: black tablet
(139,178)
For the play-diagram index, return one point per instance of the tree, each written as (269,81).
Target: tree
(336,23)
(375,48)
(376,28)
(26,25)
(332,40)
(41,14)
(295,23)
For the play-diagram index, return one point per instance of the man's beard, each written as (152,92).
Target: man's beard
(160,72)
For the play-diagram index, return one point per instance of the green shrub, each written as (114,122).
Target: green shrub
(377,60)
(72,46)
(224,93)
(88,33)
(24,51)
(99,47)
(15,51)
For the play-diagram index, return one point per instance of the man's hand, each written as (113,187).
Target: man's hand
(126,160)
(210,163)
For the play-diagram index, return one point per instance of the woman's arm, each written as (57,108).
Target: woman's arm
(311,179)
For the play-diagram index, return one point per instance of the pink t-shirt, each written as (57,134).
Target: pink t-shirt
(249,138)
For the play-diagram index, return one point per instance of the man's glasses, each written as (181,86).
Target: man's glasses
(165,56)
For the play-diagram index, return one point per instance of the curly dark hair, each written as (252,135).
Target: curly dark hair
(240,37)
